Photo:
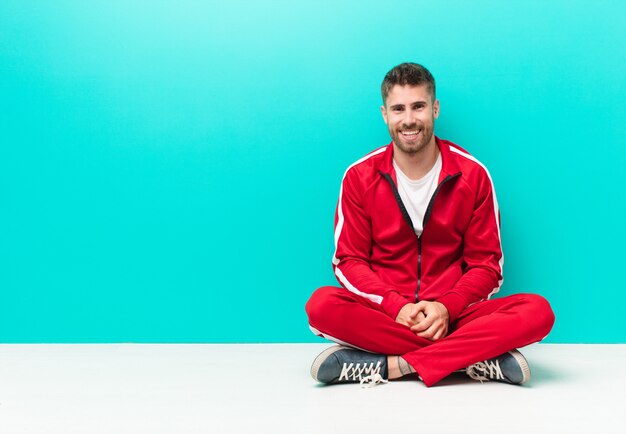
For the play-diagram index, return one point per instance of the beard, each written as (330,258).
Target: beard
(415,145)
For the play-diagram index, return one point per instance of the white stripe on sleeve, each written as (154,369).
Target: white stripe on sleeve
(495,208)
(378,299)
(340,220)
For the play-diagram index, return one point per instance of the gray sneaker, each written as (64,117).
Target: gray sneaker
(339,364)
(510,367)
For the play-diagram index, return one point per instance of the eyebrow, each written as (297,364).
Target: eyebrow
(421,102)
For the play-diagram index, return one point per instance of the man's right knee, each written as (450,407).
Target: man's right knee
(316,308)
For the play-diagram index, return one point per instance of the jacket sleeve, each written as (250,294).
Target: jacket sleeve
(482,253)
(353,242)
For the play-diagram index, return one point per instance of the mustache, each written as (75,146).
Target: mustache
(412,126)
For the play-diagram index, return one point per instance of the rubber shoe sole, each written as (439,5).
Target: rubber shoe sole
(321,358)
(523,364)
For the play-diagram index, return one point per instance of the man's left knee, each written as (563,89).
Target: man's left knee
(539,313)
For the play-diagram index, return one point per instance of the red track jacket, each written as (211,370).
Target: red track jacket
(458,258)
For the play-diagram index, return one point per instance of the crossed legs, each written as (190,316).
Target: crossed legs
(482,331)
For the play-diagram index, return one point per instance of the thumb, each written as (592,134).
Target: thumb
(421,305)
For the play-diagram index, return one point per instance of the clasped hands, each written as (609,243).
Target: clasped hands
(427,319)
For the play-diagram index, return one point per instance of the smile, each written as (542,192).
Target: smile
(410,134)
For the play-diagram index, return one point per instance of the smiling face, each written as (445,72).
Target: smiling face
(410,114)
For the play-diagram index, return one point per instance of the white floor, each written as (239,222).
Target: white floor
(90,389)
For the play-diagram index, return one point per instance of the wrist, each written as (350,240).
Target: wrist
(443,309)
(454,304)
(393,303)
(400,317)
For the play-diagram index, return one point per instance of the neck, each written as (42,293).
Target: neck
(416,165)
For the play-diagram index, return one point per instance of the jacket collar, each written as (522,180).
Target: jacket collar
(448,163)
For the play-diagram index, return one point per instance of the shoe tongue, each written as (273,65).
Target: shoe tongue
(370,359)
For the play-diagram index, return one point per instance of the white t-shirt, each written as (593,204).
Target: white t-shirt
(416,194)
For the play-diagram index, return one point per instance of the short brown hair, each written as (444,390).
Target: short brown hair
(412,74)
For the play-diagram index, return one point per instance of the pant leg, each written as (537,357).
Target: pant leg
(344,317)
(482,331)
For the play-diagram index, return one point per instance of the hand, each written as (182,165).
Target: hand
(410,315)
(435,324)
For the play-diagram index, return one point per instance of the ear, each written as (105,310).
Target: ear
(383,111)
(436,109)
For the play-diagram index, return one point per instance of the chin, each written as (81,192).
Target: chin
(411,149)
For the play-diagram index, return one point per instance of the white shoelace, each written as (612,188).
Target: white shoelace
(485,371)
(372,380)
(367,374)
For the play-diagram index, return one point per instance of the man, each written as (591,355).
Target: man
(418,255)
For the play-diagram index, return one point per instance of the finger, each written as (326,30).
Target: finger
(422,325)
(421,305)
(411,321)
(419,317)
(418,309)
(435,330)
(440,334)
(429,333)
(429,309)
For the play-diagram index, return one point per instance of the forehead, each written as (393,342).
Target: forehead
(408,94)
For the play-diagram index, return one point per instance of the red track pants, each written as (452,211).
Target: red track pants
(482,331)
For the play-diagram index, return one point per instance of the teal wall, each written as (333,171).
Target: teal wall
(169,170)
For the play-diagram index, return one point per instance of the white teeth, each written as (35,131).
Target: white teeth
(409,133)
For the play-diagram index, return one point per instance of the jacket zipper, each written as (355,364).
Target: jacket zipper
(407,218)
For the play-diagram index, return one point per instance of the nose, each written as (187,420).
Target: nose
(408,117)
